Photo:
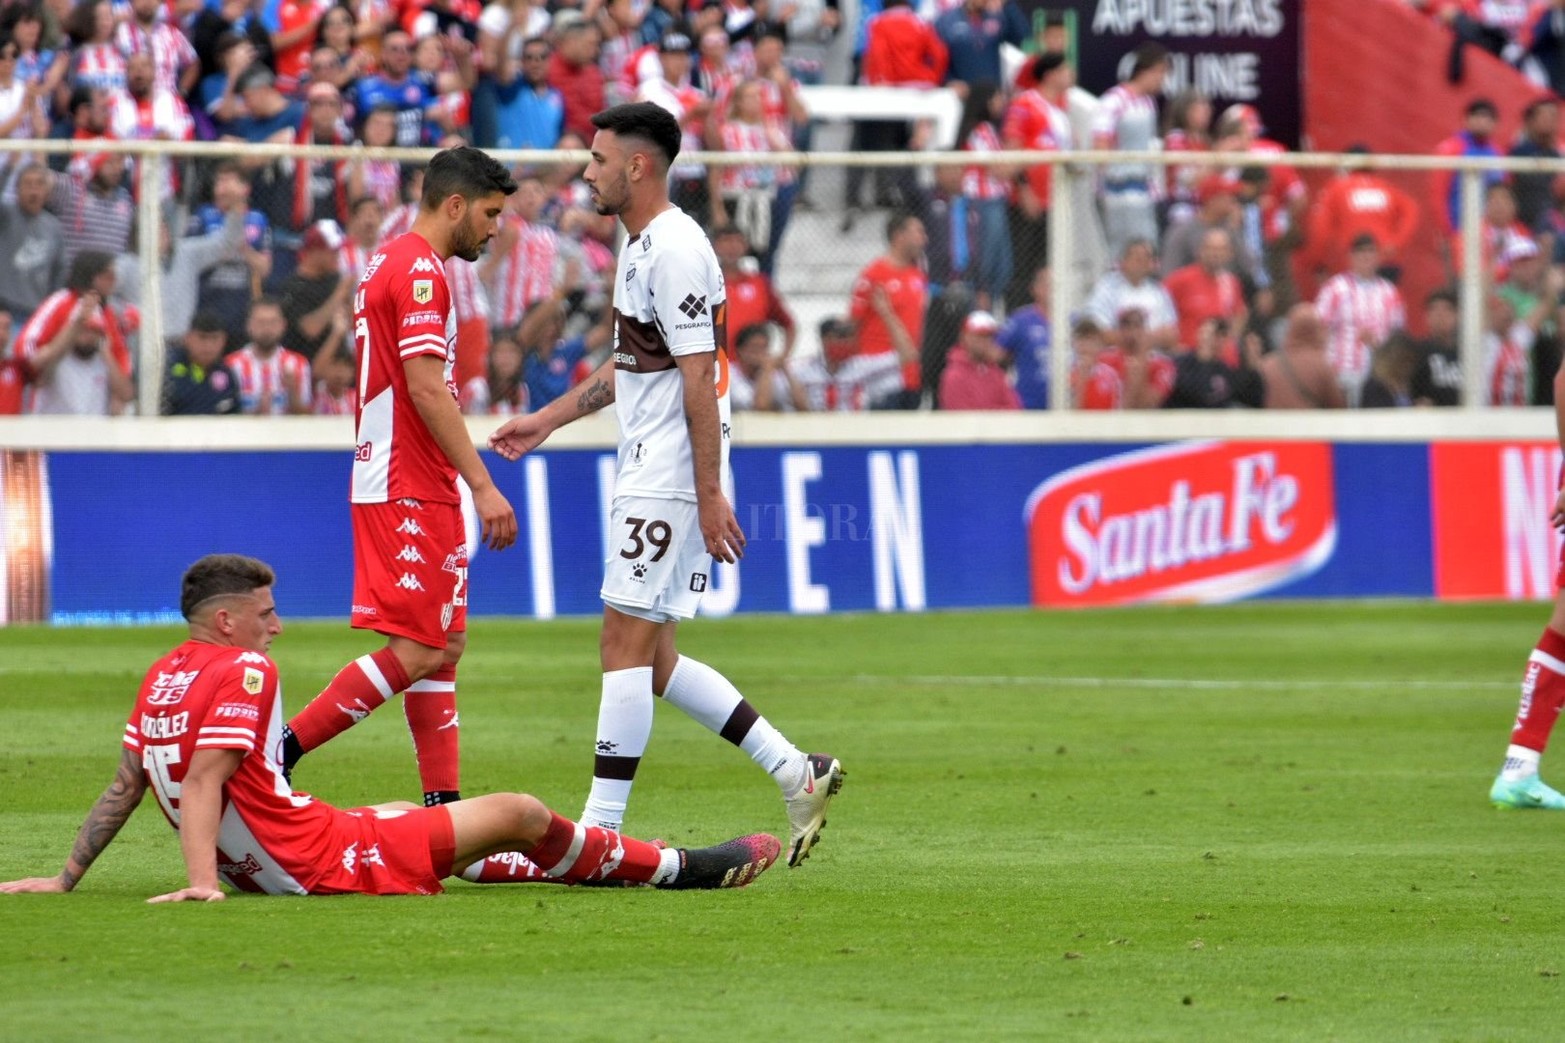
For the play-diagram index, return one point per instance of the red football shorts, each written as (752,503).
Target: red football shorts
(391,853)
(410,569)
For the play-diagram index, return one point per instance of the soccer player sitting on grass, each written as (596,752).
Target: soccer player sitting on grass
(205,733)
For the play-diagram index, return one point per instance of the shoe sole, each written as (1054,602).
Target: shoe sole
(812,835)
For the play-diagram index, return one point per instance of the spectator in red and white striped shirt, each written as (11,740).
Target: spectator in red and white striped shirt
(1360,310)
(174,61)
(335,393)
(353,256)
(520,268)
(988,190)
(743,195)
(271,378)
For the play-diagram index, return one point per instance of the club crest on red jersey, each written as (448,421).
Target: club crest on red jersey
(1207,522)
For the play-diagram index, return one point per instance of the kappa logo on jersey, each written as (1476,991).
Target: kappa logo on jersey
(423,264)
(170,688)
(423,291)
(409,553)
(254,681)
(409,527)
(252,657)
(693,305)
(410,582)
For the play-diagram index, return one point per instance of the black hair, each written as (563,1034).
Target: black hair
(754,329)
(221,575)
(207,322)
(643,119)
(467,172)
(898,221)
(1148,56)
(1046,63)
(1482,106)
(975,109)
(86,266)
(1364,241)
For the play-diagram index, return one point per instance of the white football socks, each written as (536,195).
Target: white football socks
(711,699)
(624,726)
(1520,762)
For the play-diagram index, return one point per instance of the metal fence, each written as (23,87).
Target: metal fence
(197,235)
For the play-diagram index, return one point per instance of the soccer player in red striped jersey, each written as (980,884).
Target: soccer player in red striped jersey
(203,736)
(409,554)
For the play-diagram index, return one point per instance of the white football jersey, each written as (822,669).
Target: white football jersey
(669,300)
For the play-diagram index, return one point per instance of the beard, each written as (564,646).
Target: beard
(607,206)
(468,244)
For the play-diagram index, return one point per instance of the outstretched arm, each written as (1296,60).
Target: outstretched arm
(108,814)
(200,818)
(525,433)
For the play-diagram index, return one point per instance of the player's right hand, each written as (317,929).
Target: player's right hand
(518,435)
(496,516)
(34,885)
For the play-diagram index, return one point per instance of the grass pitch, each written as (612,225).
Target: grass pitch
(1259,822)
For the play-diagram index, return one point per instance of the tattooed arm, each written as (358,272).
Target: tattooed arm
(525,433)
(103,823)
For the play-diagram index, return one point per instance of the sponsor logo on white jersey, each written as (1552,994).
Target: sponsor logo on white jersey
(422,264)
(409,527)
(170,688)
(409,582)
(410,553)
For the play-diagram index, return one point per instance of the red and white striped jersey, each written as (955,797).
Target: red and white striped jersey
(398,222)
(264,382)
(216,697)
(162,114)
(1359,314)
(328,404)
(467,291)
(749,138)
(980,182)
(1507,366)
(98,65)
(526,274)
(352,259)
(1034,122)
(171,50)
(401,310)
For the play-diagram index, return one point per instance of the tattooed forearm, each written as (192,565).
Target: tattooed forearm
(108,815)
(595,396)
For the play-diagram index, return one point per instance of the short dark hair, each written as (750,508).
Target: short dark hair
(1046,63)
(725,229)
(1482,106)
(643,119)
(754,329)
(1148,56)
(86,266)
(221,575)
(898,221)
(1364,241)
(207,322)
(264,301)
(467,172)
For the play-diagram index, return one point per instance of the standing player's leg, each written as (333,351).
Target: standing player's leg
(430,708)
(627,646)
(1543,695)
(576,853)
(807,781)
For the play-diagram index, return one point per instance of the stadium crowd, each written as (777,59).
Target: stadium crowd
(1221,286)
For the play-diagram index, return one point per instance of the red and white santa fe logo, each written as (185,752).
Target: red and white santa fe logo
(1199,522)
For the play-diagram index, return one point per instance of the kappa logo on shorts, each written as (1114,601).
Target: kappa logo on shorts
(698,582)
(409,527)
(409,582)
(410,553)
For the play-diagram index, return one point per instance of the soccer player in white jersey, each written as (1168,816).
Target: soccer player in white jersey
(669,377)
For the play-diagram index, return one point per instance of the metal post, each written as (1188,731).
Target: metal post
(149,221)
(1062,283)
(1473,292)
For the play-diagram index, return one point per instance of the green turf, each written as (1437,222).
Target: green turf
(1037,839)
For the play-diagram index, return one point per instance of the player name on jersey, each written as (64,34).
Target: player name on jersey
(1202,523)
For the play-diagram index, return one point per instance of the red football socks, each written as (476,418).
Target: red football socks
(430,707)
(1543,693)
(353,694)
(576,853)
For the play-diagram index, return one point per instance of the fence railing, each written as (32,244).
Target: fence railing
(825,243)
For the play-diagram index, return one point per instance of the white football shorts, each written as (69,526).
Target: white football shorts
(658,566)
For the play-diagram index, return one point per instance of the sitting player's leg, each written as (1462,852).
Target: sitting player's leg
(627,646)
(1543,696)
(574,853)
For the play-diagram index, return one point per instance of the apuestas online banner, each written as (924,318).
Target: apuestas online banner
(103,537)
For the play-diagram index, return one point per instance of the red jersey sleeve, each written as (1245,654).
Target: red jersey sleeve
(420,302)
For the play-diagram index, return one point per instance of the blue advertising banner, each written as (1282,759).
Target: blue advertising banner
(831,529)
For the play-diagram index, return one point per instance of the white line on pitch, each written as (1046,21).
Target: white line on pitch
(1189,683)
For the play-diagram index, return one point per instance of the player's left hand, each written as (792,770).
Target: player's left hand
(720,529)
(34,885)
(496,516)
(190,894)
